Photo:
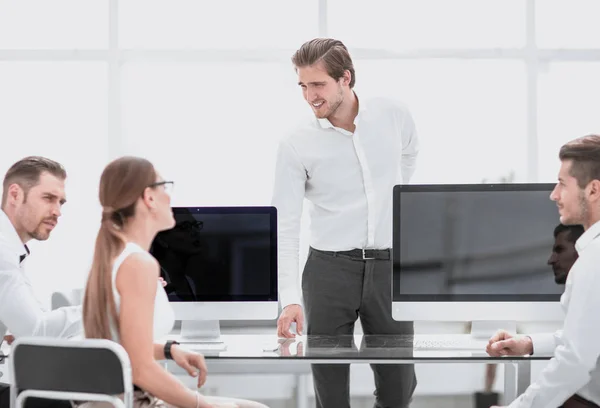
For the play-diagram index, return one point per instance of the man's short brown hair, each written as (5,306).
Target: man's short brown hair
(26,173)
(333,53)
(584,153)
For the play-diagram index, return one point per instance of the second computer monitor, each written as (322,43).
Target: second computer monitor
(474,253)
(219,263)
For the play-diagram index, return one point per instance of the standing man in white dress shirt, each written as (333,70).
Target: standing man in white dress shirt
(33,194)
(345,162)
(572,377)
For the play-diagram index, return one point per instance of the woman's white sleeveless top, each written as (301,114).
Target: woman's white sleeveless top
(164,317)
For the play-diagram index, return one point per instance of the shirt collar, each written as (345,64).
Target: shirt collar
(587,237)
(326,124)
(10,238)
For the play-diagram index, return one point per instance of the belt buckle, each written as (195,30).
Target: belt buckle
(364,256)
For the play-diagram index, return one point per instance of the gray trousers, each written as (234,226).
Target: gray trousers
(336,290)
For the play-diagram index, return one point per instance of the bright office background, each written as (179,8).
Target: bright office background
(205,89)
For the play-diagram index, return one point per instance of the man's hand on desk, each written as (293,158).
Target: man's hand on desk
(191,362)
(290,314)
(504,344)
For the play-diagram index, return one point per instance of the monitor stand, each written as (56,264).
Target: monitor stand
(203,334)
(485,329)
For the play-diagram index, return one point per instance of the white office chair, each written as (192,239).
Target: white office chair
(61,298)
(83,370)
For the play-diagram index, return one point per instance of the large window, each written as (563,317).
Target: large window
(213,127)
(59,110)
(53,25)
(205,89)
(567,24)
(388,25)
(222,24)
(568,107)
(470,115)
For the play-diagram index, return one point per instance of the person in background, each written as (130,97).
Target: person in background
(124,300)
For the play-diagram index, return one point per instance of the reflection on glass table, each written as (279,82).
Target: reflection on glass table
(266,354)
(354,348)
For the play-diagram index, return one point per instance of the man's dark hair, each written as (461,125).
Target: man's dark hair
(26,173)
(574,231)
(333,54)
(585,155)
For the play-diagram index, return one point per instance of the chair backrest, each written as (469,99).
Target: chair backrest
(73,297)
(91,366)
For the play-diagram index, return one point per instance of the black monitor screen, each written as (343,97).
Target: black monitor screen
(477,243)
(219,254)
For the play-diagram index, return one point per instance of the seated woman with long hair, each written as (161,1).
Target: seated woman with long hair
(124,300)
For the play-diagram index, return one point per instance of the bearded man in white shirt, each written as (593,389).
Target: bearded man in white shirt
(33,194)
(345,163)
(572,377)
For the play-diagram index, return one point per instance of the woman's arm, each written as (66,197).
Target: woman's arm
(136,283)
(191,362)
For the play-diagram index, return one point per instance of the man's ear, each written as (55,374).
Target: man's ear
(15,194)
(347,78)
(594,190)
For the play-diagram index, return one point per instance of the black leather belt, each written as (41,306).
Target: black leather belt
(360,254)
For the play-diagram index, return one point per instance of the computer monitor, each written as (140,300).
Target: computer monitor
(476,252)
(219,263)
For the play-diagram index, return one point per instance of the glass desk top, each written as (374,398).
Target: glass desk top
(341,348)
(367,348)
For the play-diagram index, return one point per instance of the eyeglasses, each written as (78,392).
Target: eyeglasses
(169,186)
